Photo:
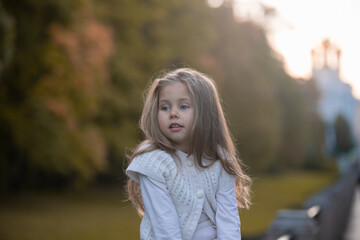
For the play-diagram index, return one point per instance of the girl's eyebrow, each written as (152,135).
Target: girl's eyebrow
(180,100)
(185,99)
(163,101)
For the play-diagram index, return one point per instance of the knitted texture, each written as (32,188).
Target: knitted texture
(191,188)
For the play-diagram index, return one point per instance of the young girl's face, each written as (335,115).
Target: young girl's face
(176,114)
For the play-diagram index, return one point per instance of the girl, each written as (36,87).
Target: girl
(185,178)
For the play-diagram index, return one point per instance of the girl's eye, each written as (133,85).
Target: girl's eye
(183,107)
(165,108)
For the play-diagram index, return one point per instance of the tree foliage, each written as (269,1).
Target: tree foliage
(52,91)
(270,112)
(344,138)
(149,36)
(72,94)
(73,73)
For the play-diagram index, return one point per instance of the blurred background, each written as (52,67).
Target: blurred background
(72,76)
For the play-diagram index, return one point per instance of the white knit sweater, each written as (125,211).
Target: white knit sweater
(191,188)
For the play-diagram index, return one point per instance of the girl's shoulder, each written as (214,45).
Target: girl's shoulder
(148,152)
(152,156)
(154,163)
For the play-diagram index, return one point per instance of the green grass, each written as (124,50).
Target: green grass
(286,191)
(92,216)
(102,214)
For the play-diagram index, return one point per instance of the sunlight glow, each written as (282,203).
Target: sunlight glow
(248,10)
(215,3)
(300,26)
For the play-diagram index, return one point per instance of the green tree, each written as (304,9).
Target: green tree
(73,71)
(6,38)
(239,55)
(149,36)
(315,133)
(51,92)
(344,138)
(71,95)
(271,113)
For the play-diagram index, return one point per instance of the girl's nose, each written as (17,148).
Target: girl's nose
(174,114)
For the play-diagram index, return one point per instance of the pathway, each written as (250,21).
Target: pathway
(353,230)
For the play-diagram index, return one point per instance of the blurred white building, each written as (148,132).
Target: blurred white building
(336,97)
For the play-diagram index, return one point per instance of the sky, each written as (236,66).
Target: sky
(300,26)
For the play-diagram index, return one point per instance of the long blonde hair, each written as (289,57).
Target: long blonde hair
(210,137)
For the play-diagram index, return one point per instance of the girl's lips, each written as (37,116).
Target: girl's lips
(175,127)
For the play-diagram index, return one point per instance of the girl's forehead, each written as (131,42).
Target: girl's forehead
(173,90)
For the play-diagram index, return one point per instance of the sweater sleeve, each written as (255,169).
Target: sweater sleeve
(156,165)
(227,215)
(160,209)
(225,180)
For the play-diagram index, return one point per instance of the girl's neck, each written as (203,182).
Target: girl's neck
(183,149)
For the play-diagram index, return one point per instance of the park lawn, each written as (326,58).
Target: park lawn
(91,215)
(102,214)
(285,191)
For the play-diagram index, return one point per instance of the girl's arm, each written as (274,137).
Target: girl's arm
(227,215)
(160,209)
